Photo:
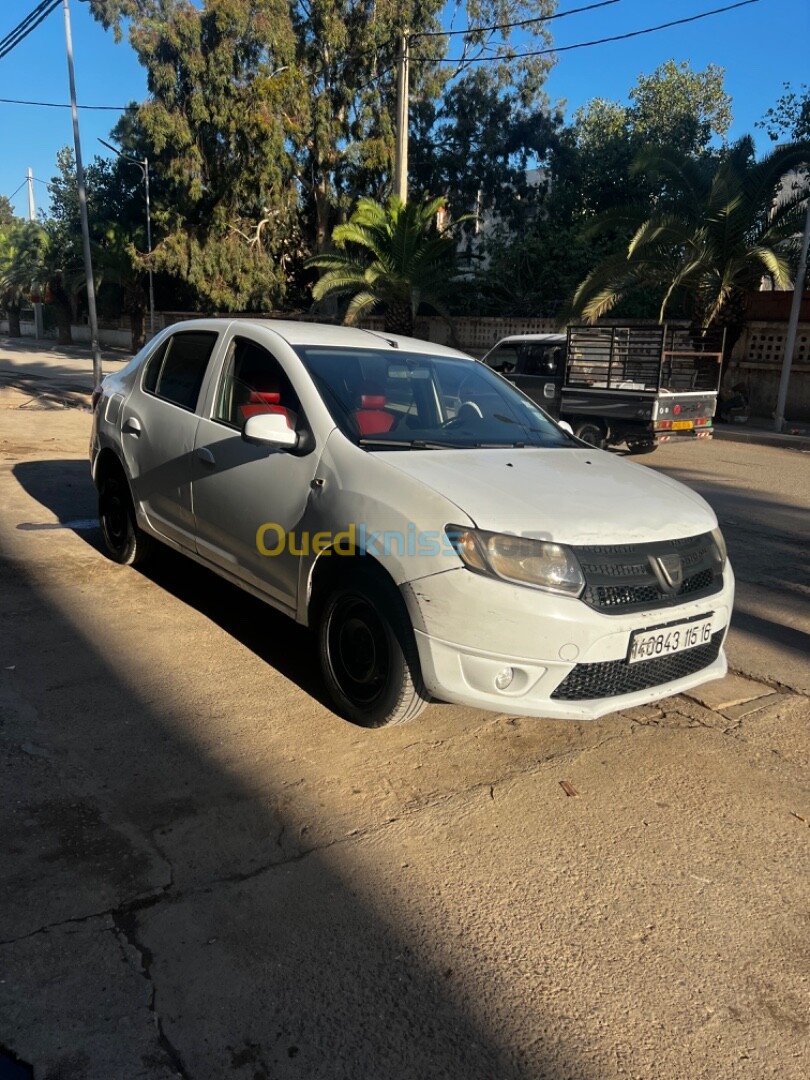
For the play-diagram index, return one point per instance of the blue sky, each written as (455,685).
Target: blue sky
(760,46)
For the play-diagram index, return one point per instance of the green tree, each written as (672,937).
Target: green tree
(789,118)
(7,214)
(476,144)
(391,256)
(264,115)
(22,248)
(216,127)
(589,170)
(679,108)
(709,239)
(62,268)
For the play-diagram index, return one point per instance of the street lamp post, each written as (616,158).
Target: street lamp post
(143,165)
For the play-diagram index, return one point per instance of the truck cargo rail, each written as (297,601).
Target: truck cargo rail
(668,358)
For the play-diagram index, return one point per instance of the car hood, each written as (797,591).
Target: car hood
(569,496)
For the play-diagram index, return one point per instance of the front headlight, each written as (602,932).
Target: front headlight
(518,559)
(720,544)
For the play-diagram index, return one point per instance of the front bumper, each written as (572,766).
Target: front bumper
(469,629)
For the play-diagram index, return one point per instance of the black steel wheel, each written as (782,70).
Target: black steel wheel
(368,654)
(590,432)
(126,543)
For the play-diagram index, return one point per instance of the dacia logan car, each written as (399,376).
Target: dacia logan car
(443,537)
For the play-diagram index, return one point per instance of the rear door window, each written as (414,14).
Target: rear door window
(176,371)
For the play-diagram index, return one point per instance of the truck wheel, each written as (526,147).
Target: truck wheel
(368,654)
(591,433)
(645,446)
(126,543)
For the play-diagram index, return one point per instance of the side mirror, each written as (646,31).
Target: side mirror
(270,429)
(566,426)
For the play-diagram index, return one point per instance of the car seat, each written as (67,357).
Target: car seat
(264,401)
(371,417)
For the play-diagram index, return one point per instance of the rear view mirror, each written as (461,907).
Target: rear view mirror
(566,426)
(270,429)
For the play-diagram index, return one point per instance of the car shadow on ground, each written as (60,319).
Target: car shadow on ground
(265,952)
(65,489)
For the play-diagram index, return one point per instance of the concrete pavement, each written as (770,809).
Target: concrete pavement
(206,873)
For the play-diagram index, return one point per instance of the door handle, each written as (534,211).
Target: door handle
(132,426)
(205,455)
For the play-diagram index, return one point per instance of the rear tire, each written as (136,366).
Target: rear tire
(126,543)
(368,653)
(591,433)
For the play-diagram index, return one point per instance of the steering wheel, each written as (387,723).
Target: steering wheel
(468,412)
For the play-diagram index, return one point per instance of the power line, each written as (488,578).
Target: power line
(59,105)
(470,30)
(22,185)
(27,26)
(26,22)
(579,45)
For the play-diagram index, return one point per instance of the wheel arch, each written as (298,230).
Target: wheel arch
(597,421)
(332,566)
(107,463)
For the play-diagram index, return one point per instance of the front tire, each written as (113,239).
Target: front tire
(368,653)
(126,543)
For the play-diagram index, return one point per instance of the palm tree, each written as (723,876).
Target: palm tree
(22,245)
(709,237)
(392,256)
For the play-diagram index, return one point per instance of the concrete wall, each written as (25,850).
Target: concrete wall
(757,362)
(472,335)
(108,338)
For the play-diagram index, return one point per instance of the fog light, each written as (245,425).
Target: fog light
(503,680)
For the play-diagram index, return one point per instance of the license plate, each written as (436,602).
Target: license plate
(666,640)
(680,425)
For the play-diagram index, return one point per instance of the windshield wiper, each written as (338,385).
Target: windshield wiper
(501,445)
(413,444)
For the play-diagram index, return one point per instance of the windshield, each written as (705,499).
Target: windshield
(391,399)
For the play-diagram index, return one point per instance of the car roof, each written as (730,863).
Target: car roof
(312,333)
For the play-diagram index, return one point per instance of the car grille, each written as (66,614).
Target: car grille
(614,677)
(621,579)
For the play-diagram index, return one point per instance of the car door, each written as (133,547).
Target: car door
(158,426)
(239,488)
(539,374)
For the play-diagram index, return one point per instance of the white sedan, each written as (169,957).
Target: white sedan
(444,537)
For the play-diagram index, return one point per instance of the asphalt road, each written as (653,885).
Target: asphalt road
(761,496)
(205,873)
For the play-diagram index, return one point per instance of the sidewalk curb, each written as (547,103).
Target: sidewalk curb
(763,438)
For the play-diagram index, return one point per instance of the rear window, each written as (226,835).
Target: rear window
(176,371)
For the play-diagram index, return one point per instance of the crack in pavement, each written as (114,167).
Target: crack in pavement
(125,927)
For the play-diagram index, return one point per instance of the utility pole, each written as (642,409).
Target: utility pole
(793,322)
(31,210)
(401,152)
(39,325)
(88,263)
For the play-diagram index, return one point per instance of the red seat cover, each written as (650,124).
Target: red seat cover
(264,401)
(371,416)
